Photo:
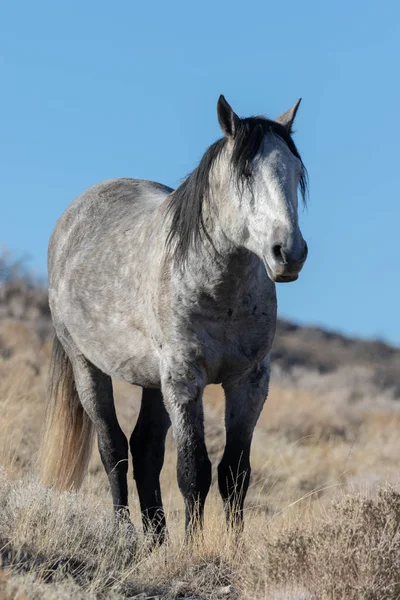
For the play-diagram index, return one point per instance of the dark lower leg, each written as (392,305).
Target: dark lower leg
(244,402)
(147,447)
(233,480)
(194,480)
(113,448)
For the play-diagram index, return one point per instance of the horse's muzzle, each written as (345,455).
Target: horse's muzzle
(285,267)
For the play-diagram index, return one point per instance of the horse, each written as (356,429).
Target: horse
(172,290)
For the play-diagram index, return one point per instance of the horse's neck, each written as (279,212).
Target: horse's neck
(221,271)
(217,267)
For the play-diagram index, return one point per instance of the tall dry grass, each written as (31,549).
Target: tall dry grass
(320,520)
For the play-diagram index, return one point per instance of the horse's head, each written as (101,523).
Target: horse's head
(264,171)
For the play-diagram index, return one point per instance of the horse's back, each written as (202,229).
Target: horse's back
(107,208)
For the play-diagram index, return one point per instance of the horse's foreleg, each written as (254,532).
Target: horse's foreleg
(183,399)
(244,401)
(147,447)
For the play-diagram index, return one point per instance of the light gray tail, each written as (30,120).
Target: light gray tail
(68,431)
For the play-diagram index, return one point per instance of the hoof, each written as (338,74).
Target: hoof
(127,531)
(153,540)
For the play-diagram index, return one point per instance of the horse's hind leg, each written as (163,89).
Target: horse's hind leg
(147,446)
(244,402)
(96,395)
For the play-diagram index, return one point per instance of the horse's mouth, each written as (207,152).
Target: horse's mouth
(279,278)
(285,278)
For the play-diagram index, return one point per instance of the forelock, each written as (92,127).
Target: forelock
(249,140)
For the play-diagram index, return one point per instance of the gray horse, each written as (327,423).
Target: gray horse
(170,291)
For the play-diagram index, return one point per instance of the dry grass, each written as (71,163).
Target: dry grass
(319,497)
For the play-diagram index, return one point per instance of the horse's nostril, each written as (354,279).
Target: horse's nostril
(279,254)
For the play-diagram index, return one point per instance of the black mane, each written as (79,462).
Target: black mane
(186,203)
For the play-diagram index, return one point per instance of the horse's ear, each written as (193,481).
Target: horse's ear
(288,117)
(227,118)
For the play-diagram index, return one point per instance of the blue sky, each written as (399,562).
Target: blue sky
(94,90)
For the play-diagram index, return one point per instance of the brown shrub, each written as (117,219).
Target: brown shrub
(353,552)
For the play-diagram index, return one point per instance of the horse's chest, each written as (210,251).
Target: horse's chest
(238,336)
